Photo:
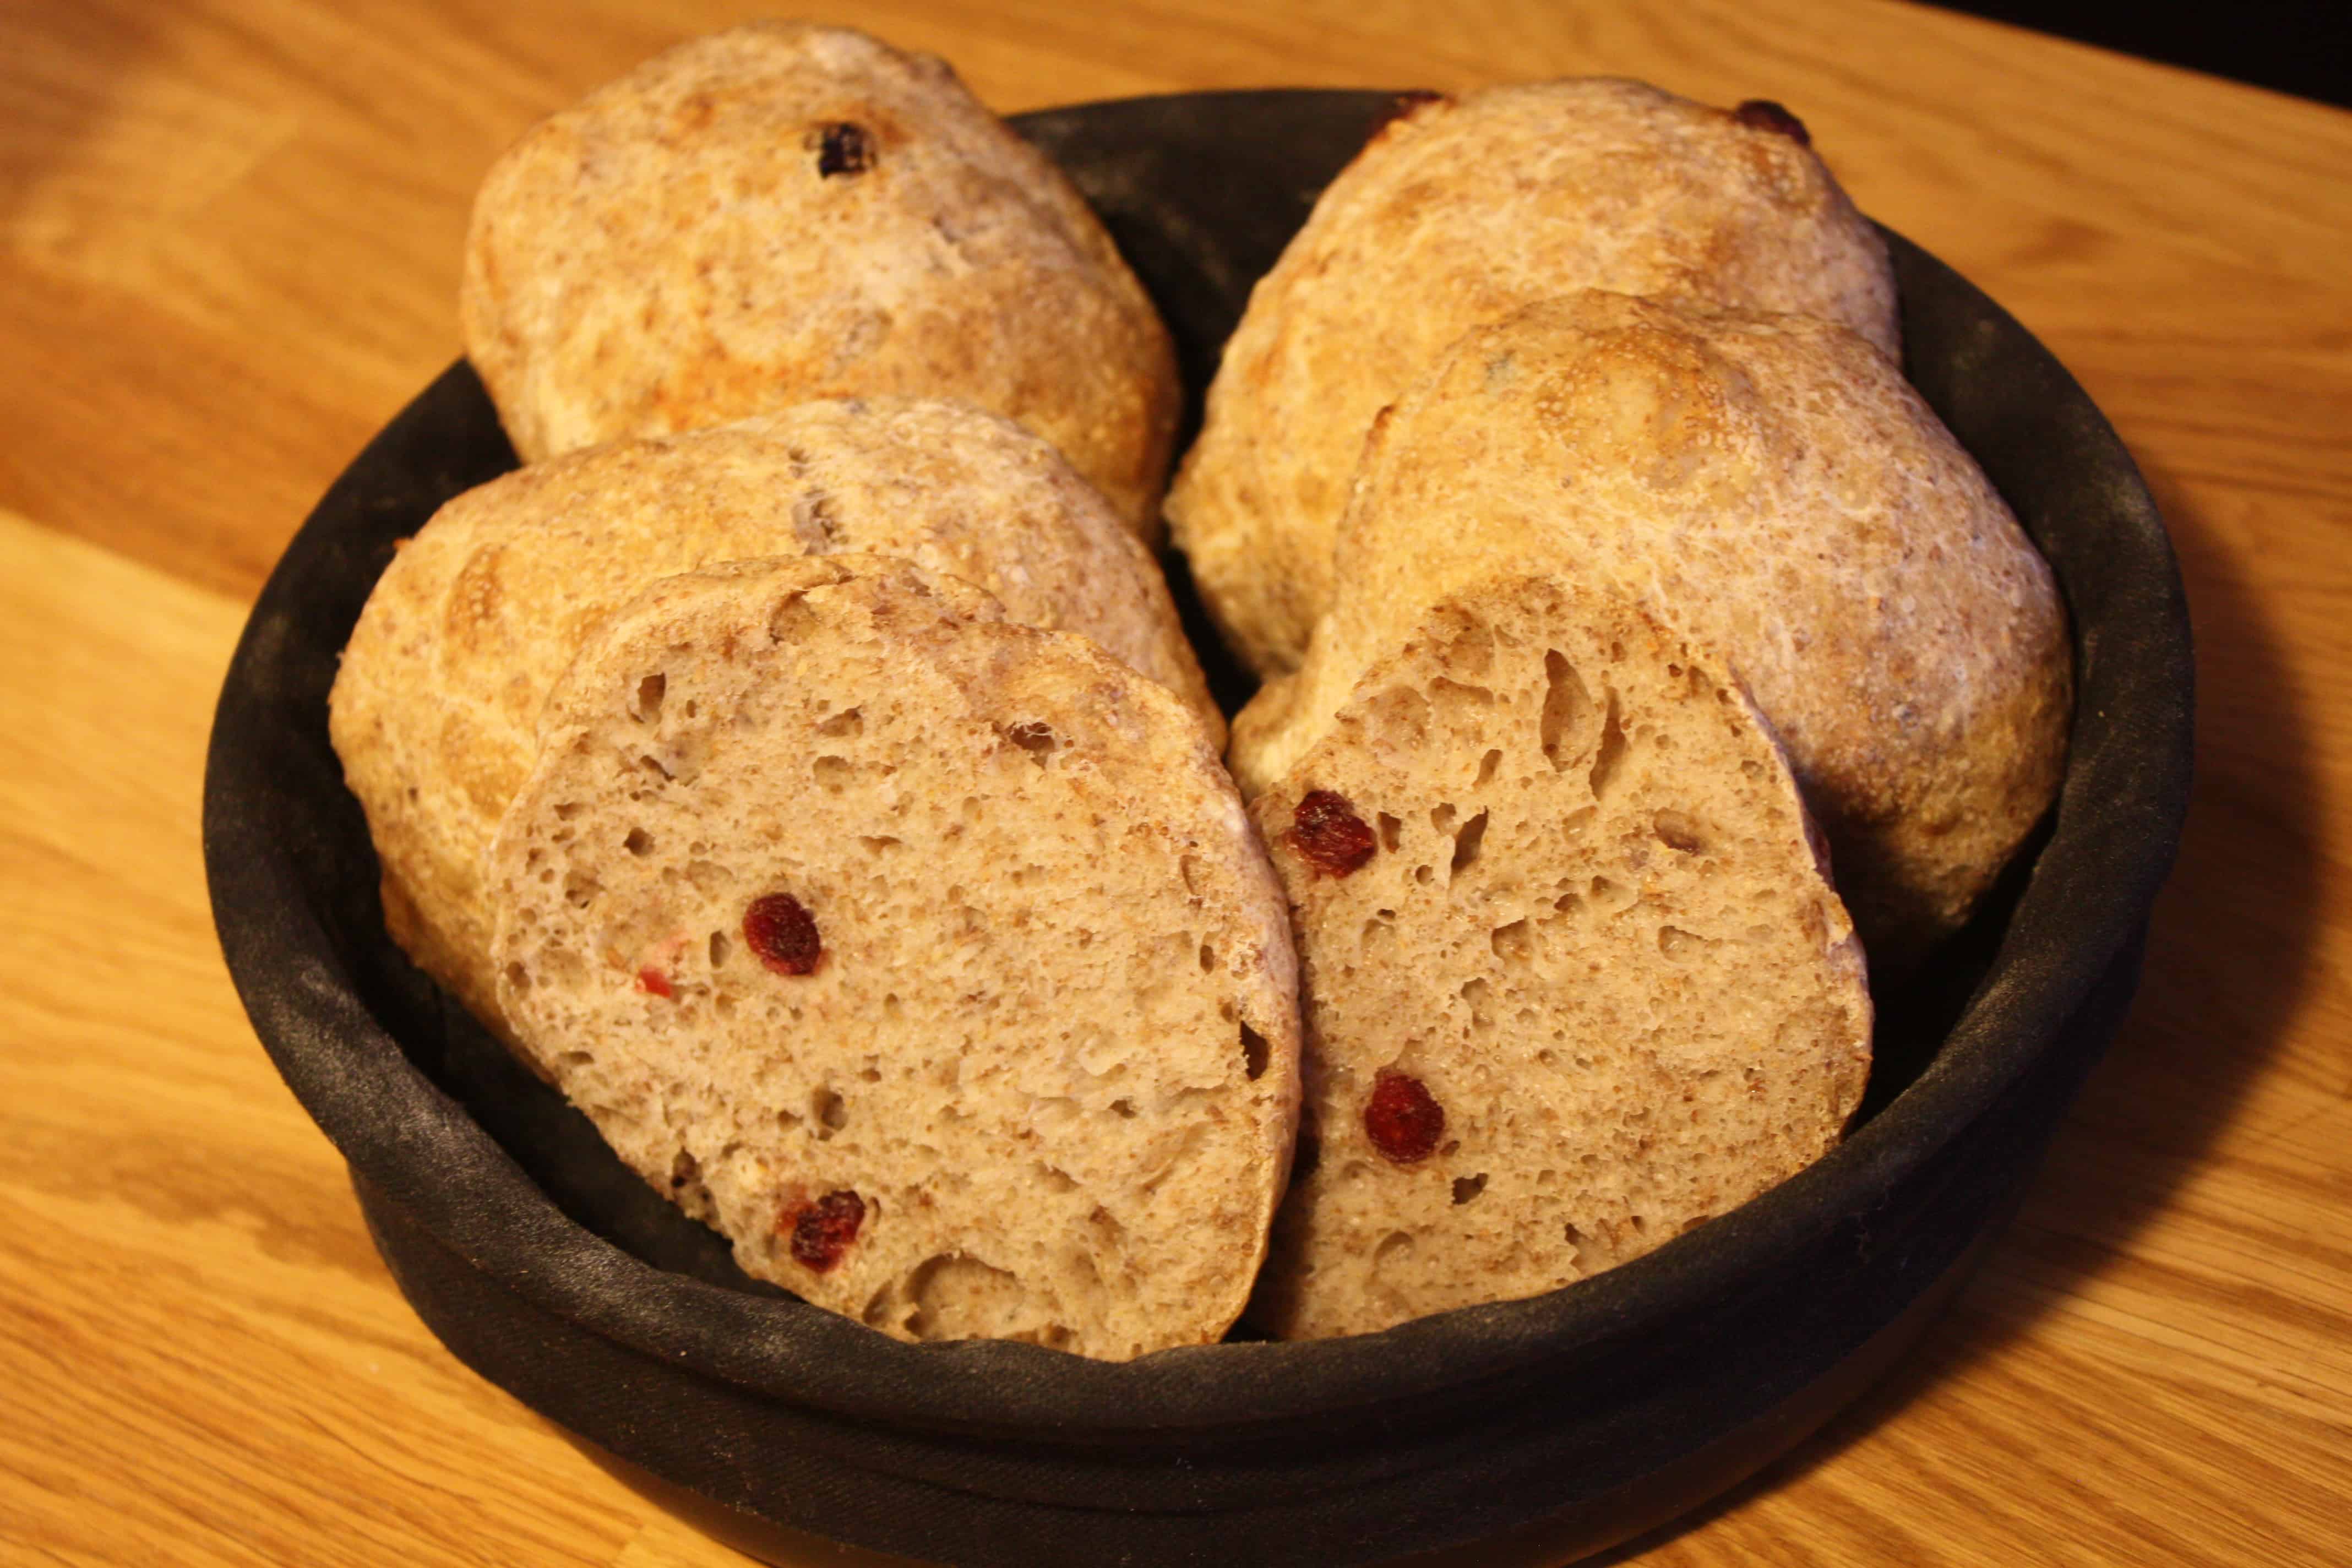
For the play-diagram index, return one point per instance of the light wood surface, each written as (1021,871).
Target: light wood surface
(228,251)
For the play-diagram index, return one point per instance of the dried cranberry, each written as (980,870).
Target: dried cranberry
(1324,828)
(822,1231)
(1763,114)
(782,932)
(843,148)
(654,980)
(1402,1120)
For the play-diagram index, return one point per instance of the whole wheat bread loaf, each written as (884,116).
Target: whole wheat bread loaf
(1773,484)
(783,211)
(930,957)
(1454,215)
(435,710)
(1574,977)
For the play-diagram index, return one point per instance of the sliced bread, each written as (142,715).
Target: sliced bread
(1574,976)
(930,957)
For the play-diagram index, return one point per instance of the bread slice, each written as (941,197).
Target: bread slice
(1772,484)
(783,211)
(930,957)
(435,709)
(1574,974)
(1454,215)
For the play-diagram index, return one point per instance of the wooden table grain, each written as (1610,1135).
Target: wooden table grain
(228,251)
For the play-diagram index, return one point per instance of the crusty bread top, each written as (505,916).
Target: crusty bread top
(1774,485)
(1454,215)
(1582,983)
(1042,1023)
(703,239)
(435,710)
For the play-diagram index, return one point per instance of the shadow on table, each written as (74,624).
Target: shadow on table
(2231,956)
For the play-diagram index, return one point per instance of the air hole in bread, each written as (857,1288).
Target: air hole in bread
(639,842)
(1123,1109)
(1254,1052)
(1468,1187)
(1039,740)
(648,707)
(518,977)
(1441,818)
(1677,831)
(720,948)
(1056,1180)
(577,1058)
(791,620)
(832,773)
(1566,702)
(684,1168)
(849,722)
(1681,945)
(1577,1241)
(1612,748)
(1488,765)
(875,844)
(565,812)
(1421,874)
(1512,944)
(958,1297)
(653,764)
(1189,868)
(826,1109)
(580,887)
(1465,845)
(1390,830)
(1208,957)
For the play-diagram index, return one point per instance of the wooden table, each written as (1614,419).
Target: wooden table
(231,238)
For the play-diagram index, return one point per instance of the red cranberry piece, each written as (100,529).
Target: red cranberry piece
(822,1231)
(1324,828)
(782,934)
(844,148)
(1402,1120)
(1763,114)
(654,980)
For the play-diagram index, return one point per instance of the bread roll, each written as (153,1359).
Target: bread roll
(927,956)
(1772,484)
(435,710)
(1574,978)
(782,212)
(1454,215)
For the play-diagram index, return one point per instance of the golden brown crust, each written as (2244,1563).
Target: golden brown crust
(683,248)
(1772,484)
(436,707)
(1457,214)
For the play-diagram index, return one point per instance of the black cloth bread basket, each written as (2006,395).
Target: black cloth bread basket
(1545,1428)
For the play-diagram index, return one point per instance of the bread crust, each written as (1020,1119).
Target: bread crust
(435,709)
(1455,213)
(1041,1026)
(685,248)
(1583,985)
(1774,484)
